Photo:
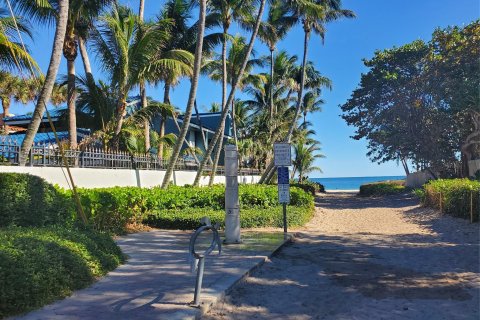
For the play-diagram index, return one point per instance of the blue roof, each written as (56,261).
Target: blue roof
(133,104)
(210,120)
(54,113)
(46,137)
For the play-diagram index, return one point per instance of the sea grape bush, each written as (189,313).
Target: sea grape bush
(454,196)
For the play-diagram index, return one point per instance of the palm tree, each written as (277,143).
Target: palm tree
(178,11)
(192,94)
(9,87)
(219,71)
(274,29)
(215,107)
(43,10)
(313,16)
(311,103)
(97,104)
(235,56)
(143,91)
(12,53)
(129,54)
(237,78)
(304,158)
(80,13)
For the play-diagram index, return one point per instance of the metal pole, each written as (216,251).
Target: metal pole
(198,283)
(285,221)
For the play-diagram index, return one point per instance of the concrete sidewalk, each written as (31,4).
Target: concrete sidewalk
(156,282)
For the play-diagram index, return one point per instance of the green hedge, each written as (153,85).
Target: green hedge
(452,196)
(41,265)
(27,200)
(188,219)
(382,188)
(30,201)
(110,209)
(309,186)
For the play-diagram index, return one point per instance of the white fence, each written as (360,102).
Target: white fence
(103,178)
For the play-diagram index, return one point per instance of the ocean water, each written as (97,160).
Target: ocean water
(351,183)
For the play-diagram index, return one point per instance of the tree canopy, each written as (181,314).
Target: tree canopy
(419,103)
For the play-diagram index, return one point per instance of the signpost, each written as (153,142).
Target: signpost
(282,154)
(283,159)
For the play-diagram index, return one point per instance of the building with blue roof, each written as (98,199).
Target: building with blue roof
(200,124)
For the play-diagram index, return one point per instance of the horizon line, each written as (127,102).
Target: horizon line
(357,177)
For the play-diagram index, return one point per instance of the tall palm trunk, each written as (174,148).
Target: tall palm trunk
(216,156)
(234,124)
(163,119)
(192,95)
(72,95)
(219,131)
(271,83)
(6,106)
(143,91)
(141,9)
(46,91)
(70,53)
(269,171)
(161,133)
(86,60)
(6,111)
(146,123)
(120,114)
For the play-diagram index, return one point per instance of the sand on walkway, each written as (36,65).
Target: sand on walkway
(366,258)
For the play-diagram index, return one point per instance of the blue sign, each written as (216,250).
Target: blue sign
(283,176)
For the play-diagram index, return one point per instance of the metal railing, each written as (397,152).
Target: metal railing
(47,155)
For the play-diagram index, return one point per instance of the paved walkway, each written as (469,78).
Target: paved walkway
(366,258)
(156,282)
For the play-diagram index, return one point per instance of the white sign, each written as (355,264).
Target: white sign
(283,154)
(284,193)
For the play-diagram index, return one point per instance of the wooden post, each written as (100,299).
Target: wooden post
(441,209)
(471,206)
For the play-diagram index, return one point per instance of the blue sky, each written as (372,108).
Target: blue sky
(379,24)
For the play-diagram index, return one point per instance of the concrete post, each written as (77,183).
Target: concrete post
(232,205)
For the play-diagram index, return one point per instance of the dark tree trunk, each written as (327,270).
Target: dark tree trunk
(72,113)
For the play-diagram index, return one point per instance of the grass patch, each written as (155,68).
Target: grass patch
(382,188)
(41,265)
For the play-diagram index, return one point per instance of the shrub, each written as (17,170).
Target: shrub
(41,265)
(382,188)
(309,186)
(188,219)
(452,196)
(28,200)
(110,209)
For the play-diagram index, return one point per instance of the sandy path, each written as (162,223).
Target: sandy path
(363,258)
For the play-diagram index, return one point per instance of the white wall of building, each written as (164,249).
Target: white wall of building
(473,166)
(418,179)
(103,178)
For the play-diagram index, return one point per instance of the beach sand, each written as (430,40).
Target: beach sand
(366,258)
